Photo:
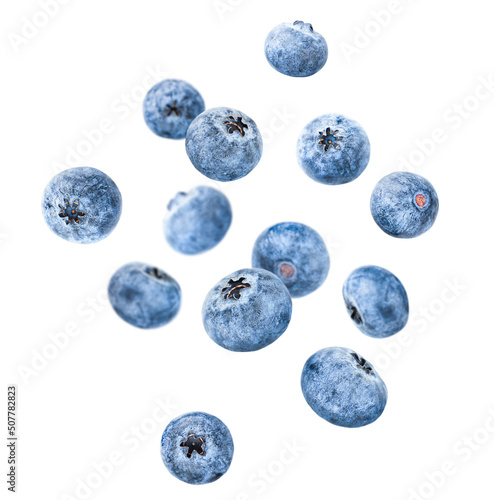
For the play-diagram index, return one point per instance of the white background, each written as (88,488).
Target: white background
(89,66)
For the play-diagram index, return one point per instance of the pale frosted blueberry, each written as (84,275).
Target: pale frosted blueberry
(295,49)
(82,205)
(296,254)
(343,388)
(198,220)
(224,144)
(333,149)
(404,205)
(197,448)
(144,296)
(170,106)
(376,301)
(247,310)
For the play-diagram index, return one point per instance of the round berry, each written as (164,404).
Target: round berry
(295,49)
(197,448)
(404,205)
(144,296)
(296,254)
(333,149)
(82,205)
(170,106)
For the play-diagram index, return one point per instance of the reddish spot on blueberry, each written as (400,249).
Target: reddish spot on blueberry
(286,270)
(421,200)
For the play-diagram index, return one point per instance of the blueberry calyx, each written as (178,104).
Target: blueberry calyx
(329,139)
(174,201)
(354,314)
(237,125)
(301,22)
(234,288)
(362,362)
(156,273)
(71,211)
(193,443)
(177,110)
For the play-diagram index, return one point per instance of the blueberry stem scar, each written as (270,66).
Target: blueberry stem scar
(301,22)
(420,200)
(361,361)
(355,315)
(193,443)
(155,273)
(286,270)
(71,212)
(237,125)
(329,139)
(177,110)
(234,288)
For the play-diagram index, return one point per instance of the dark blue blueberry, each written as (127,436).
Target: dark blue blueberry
(296,254)
(224,144)
(82,205)
(295,49)
(333,149)
(170,106)
(197,448)
(247,310)
(144,296)
(376,301)
(343,388)
(197,220)
(404,205)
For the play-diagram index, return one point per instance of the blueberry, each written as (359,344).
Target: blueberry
(197,448)
(247,310)
(224,144)
(296,254)
(170,106)
(295,49)
(143,295)
(404,205)
(198,220)
(333,149)
(376,301)
(82,205)
(343,388)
